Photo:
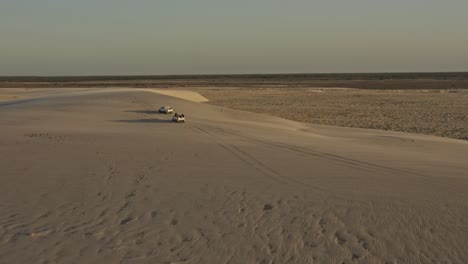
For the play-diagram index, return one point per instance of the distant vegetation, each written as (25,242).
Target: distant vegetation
(268,77)
(426,81)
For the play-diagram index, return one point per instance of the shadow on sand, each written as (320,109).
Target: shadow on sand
(144,121)
(149,112)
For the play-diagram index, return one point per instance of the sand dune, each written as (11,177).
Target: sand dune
(183,94)
(100,177)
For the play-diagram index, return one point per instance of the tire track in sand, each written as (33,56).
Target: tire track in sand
(359,164)
(255,163)
(244,157)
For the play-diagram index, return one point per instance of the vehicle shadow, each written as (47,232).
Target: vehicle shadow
(144,121)
(149,112)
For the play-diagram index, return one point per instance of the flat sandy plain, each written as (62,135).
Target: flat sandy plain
(98,176)
(432,112)
(423,103)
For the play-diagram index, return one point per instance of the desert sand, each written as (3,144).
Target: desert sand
(98,176)
(183,94)
(432,112)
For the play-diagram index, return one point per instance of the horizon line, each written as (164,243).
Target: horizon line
(231,74)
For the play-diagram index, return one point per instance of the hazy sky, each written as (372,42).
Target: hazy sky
(101,37)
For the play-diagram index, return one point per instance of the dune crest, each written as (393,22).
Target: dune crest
(182,94)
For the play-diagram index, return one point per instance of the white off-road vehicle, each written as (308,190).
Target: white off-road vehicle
(178,118)
(166,110)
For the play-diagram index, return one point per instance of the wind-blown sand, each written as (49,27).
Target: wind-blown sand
(100,177)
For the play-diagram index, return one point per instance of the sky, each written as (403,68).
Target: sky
(159,37)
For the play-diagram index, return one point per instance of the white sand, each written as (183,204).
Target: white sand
(183,94)
(100,177)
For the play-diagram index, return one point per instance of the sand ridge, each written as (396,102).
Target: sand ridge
(182,94)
